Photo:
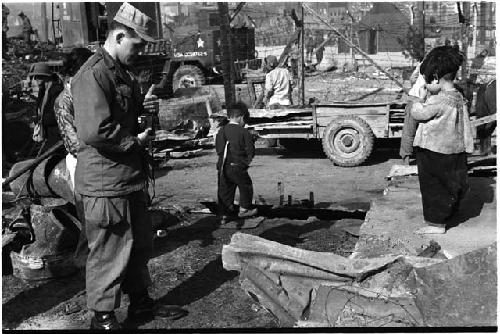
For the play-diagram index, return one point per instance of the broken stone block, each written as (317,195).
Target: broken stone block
(459,292)
(335,307)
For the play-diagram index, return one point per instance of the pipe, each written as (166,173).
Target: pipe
(33,164)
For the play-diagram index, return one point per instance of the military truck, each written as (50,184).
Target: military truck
(195,58)
(189,59)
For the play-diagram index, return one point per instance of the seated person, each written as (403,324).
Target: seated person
(49,87)
(277,87)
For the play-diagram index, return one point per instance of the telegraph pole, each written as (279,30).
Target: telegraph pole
(423,28)
(465,38)
(474,28)
(226,55)
(45,27)
(159,27)
(301,64)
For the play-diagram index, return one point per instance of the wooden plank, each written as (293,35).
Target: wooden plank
(354,105)
(339,110)
(284,127)
(280,124)
(283,119)
(270,113)
(278,135)
(185,100)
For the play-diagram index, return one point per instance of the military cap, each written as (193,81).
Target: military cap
(133,18)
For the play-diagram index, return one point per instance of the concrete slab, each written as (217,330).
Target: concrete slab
(392,219)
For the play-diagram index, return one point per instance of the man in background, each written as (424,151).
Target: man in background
(27,28)
(278,84)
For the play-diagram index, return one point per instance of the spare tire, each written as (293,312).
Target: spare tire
(348,141)
(188,76)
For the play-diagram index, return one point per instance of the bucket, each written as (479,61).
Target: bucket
(56,232)
(34,268)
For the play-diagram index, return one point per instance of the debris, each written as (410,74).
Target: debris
(7,238)
(351,226)
(283,279)
(459,292)
(72,307)
(312,219)
(161,233)
(202,211)
(431,250)
(192,106)
(336,307)
(239,223)
(185,154)
(401,171)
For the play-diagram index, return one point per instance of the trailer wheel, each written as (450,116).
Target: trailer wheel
(188,76)
(348,141)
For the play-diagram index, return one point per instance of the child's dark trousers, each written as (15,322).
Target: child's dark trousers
(443,184)
(234,176)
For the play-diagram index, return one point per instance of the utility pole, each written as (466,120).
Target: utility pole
(351,35)
(423,28)
(158,21)
(465,38)
(53,24)
(301,59)
(226,55)
(45,27)
(474,28)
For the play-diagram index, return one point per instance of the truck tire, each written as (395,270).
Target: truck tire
(188,76)
(348,141)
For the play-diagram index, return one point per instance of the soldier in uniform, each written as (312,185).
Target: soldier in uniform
(111,175)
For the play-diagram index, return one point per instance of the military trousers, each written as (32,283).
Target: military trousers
(120,238)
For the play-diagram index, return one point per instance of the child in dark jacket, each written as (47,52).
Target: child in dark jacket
(235,147)
(443,138)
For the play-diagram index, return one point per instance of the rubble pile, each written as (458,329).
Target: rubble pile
(318,289)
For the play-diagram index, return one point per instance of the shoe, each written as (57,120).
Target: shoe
(147,308)
(105,321)
(246,213)
(224,220)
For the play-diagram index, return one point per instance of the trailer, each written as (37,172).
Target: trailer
(347,131)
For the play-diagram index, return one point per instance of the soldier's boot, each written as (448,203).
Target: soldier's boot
(143,308)
(104,321)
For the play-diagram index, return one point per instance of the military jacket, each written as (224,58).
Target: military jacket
(107,103)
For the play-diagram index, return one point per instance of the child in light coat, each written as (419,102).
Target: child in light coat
(443,138)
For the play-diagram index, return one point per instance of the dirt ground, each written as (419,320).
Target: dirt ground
(187,268)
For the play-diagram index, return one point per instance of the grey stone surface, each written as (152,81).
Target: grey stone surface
(459,292)
(392,219)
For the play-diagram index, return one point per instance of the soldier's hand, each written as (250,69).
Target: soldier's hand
(145,137)
(151,104)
